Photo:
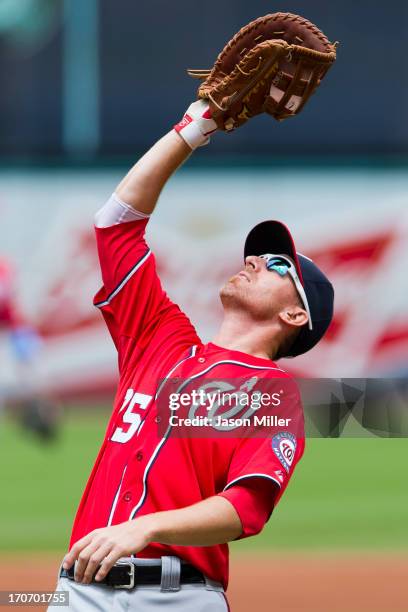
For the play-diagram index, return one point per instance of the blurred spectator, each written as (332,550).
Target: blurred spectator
(37,413)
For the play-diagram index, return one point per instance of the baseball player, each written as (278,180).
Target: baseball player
(175,503)
(158,510)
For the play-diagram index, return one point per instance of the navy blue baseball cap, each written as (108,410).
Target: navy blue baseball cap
(274,237)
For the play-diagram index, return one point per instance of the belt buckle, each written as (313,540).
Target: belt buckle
(131,574)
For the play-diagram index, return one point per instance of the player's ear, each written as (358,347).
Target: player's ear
(295,316)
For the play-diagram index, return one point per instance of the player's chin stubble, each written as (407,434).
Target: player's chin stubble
(231,293)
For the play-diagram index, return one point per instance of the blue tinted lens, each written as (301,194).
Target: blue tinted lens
(278,265)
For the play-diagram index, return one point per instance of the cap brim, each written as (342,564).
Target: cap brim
(272,237)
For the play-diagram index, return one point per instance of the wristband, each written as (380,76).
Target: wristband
(197,125)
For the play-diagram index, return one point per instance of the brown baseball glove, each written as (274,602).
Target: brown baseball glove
(272,65)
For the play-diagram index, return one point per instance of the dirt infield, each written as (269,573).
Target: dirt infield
(260,583)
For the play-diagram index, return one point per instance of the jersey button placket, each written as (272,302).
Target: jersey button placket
(127,496)
(139,456)
(201,360)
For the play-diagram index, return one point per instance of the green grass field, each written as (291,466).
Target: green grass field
(346,493)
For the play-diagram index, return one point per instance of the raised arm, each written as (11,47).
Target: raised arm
(142,185)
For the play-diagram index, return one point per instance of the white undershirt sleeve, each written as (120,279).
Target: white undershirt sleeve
(115,212)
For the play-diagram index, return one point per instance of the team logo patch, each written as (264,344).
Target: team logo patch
(284,447)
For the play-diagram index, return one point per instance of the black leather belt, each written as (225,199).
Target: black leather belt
(127,575)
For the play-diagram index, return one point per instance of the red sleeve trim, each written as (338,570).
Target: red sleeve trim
(245,476)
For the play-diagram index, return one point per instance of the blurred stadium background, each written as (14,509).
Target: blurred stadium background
(86,88)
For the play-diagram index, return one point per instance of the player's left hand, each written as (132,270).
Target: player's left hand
(101,549)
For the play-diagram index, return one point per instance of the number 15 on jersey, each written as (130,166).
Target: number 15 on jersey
(133,419)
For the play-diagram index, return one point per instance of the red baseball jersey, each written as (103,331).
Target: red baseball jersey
(140,470)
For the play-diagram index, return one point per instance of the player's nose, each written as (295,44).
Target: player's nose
(254,263)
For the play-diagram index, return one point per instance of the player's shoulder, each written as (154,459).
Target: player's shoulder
(276,370)
(277,376)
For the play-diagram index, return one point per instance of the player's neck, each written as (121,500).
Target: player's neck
(248,337)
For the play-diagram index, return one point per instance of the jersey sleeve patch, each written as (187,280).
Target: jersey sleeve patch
(284,446)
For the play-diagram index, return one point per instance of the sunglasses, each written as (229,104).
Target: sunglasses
(282,264)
